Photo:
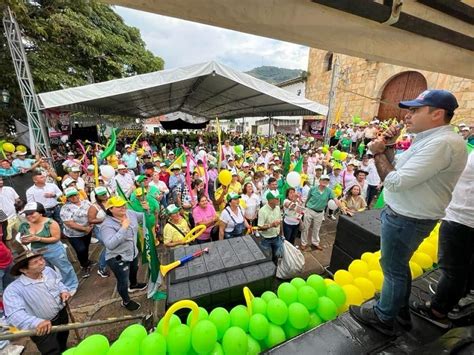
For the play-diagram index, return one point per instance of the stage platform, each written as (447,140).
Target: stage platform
(345,336)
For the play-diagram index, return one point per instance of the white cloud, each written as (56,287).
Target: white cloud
(182,43)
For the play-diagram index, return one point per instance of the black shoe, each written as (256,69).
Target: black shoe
(131,305)
(85,272)
(368,317)
(423,310)
(138,287)
(403,317)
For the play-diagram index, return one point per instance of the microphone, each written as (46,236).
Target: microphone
(386,137)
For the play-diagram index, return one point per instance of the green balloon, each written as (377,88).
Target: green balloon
(202,315)
(314,320)
(298,315)
(221,319)
(239,317)
(259,306)
(253,347)
(288,293)
(326,309)
(277,311)
(298,282)
(204,336)
(308,297)
(136,331)
(336,154)
(125,346)
(268,295)
(96,343)
(70,351)
(290,331)
(217,350)
(336,294)
(178,340)
(153,344)
(174,321)
(235,341)
(317,282)
(258,326)
(276,335)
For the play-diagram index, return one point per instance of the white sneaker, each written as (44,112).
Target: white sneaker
(94,240)
(332,217)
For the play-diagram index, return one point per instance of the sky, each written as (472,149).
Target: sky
(182,43)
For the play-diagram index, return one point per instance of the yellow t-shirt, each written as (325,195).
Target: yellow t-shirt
(235,187)
(171,234)
(217,196)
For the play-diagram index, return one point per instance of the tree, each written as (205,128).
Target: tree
(71,43)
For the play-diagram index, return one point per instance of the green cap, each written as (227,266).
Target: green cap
(140,178)
(232,196)
(100,191)
(270,195)
(172,209)
(71,191)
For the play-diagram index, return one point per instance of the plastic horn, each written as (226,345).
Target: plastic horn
(194,233)
(164,269)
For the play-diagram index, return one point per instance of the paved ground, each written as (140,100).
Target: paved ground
(97,297)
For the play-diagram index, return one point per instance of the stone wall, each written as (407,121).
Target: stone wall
(360,84)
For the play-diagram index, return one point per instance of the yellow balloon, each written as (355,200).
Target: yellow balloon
(358,268)
(343,156)
(21,148)
(8,147)
(353,295)
(343,277)
(225,177)
(422,259)
(329,282)
(376,277)
(365,286)
(428,248)
(343,308)
(416,270)
(374,264)
(367,256)
(378,254)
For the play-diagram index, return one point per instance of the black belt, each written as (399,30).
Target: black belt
(317,211)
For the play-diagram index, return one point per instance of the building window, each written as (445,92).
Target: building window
(328,61)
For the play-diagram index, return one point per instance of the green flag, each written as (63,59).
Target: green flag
(110,149)
(286,160)
(380,203)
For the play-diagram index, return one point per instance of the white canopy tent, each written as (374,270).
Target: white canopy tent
(205,90)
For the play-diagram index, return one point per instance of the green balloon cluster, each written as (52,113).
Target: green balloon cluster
(270,319)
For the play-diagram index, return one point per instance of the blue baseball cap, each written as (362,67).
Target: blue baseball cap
(434,98)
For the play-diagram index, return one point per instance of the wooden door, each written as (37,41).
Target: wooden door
(405,86)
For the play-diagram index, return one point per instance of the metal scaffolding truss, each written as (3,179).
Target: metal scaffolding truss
(36,122)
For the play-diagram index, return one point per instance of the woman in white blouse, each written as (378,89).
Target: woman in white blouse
(252,203)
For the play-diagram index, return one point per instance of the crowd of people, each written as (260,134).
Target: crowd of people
(174,187)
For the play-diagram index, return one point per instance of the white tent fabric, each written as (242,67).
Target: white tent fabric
(205,90)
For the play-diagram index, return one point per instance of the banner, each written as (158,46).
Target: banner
(59,123)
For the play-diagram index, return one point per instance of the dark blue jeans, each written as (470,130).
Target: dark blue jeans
(125,272)
(400,238)
(81,247)
(273,247)
(290,231)
(456,255)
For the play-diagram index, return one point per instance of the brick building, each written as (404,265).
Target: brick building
(368,88)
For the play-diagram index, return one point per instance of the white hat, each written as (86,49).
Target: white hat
(68,181)
(353,162)
(462,125)
(121,166)
(162,165)
(127,146)
(465,129)
(245,165)
(324,177)
(75,169)
(319,166)
(90,167)
(20,153)
(71,154)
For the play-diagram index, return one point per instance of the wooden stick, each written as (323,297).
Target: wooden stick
(76,332)
(64,327)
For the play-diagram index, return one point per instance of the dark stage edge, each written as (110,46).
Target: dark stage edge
(345,336)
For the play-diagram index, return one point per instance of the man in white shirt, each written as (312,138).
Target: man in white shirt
(8,198)
(45,193)
(456,248)
(373,179)
(417,190)
(125,179)
(75,174)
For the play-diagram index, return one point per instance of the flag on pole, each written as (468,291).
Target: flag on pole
(219,145)
(110,149)
(286,160)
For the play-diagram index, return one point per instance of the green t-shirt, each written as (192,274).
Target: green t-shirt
(267,215)
(317,199)
(346,142)
(24,229)
(152,203)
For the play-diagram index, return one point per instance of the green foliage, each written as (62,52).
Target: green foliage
(274,75)
(71,43)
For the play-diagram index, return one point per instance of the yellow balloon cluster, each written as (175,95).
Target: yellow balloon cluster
(364,276)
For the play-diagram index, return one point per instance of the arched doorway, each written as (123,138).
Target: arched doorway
(404,86)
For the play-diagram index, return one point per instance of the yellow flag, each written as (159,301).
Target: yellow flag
(338,116)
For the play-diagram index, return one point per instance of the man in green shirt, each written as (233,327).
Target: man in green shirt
(270,226)
(316,203)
